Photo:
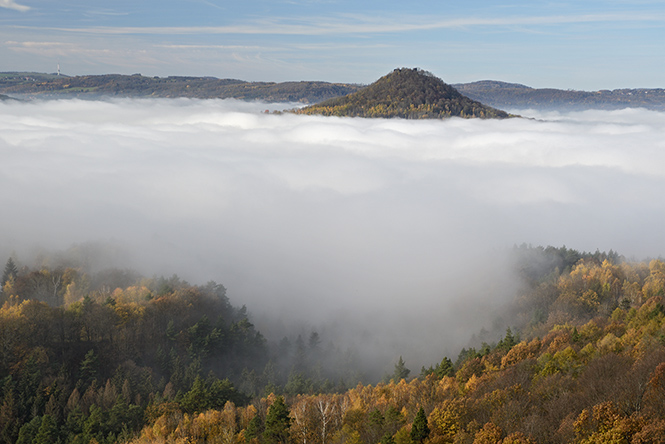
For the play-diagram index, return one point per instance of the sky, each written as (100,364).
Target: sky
(393,234)
(584,45)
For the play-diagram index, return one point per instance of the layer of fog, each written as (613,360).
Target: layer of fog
(390,235)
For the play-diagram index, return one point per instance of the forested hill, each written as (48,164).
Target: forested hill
(116,85)
(110,357)
(405,93)
(587,367)
(515,96)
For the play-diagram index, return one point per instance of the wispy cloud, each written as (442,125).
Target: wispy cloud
(43,48)
(363,25)
(186,46)
(211,4)
(105,12)
(11,4)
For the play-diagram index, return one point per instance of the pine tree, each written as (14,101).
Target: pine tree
(508,342)
(29,431)
(197,399)
(254,429)
(11,271)
(445,368)
(88,367)
(278,423)
(48,431)
(419,428)
(387,439)
(401,372)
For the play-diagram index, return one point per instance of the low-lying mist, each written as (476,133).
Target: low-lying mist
(391,236)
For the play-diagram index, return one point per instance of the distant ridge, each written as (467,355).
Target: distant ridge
(406,93)
(49,86)
(501,95)
(490,84)
(516,96)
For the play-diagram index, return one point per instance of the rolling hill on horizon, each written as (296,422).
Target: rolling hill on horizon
(518,96)
(50,86)
(497,94)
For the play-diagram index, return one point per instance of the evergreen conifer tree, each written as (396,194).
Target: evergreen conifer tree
(445,368)
(254,429)
(48,431)
(419,428)
(387,439)
(29,431)
(401,372)
(11,270)
(88,367)
(278,423)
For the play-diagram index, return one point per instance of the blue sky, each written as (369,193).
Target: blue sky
(578,45)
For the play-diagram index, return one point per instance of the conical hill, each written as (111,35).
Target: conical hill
(408,94)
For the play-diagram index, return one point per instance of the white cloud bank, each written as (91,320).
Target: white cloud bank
(379,221)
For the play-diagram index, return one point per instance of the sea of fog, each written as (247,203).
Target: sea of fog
(388,234)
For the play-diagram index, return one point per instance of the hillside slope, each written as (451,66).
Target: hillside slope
(106,358)
(590,368)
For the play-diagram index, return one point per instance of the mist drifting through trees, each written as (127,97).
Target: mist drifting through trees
(390,235)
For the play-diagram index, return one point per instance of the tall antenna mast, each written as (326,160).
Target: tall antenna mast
(58,68)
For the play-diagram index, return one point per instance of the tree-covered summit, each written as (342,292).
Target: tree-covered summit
(408,94)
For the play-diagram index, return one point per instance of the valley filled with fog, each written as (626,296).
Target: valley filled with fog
(367,230)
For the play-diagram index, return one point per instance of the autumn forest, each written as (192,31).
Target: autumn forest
(114,357)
